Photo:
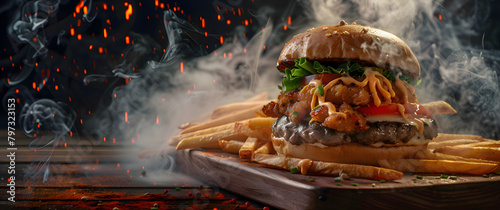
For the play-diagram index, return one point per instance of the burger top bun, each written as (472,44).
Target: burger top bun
(336,44)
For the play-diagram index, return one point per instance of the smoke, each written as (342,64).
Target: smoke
(48,123)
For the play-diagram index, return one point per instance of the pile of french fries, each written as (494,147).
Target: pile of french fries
(240,128)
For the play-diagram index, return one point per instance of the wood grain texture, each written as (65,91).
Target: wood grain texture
(284,190)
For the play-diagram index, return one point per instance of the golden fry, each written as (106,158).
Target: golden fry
(438,166)
(259,127)
(469,151)
(207,141)
(447,136)
(439,107)
(248,147)
(235,107)
(176,139)
(452,142)
(327,168)
(267,148)
(233,117)
(230,146)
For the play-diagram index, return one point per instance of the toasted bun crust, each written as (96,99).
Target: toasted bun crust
(338,44)
(353,153)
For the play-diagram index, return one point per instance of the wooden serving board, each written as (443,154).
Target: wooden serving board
(281,189)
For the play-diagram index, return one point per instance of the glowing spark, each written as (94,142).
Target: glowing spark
(118,165)
(289,20)
(65,145)
(157,120)
(246,22)
(156,3)
(56,87)
(71,133)
(79,6)
(85,10)
(221,40)
(126,117)
(114,140)
(128,12)
(81,121)
(133,141)
(104,138)
(17,90)
(104,6)
(218,17)
(202,22)
(127,40)
(128,171)
(115,95)
(79,37)
(206,34)
(100,50)
(284,27)
(34,85)
(90,47)
(105,33)
(228,22)
(194,86)
(182,67)
(440,16)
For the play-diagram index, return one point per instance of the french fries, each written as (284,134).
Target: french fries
(471,151)
(328,168)
(453,142)
(439,107)
(259,127)
(233,117)
(209,140)
(235,107)
(248,147)
(176,139)
(430,155)
(267,148)
(230,146)
(438,166)
(447,136)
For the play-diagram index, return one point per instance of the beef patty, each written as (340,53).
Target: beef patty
(314,132)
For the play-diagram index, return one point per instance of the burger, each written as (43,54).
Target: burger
(347,96)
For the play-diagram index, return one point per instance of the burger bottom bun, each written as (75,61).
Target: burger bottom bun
(352,153)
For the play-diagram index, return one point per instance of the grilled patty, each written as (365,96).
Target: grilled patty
(314,132)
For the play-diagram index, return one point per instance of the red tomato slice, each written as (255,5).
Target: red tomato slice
(325,78)
(410,108)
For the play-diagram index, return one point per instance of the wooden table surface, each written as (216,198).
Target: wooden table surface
(104,176)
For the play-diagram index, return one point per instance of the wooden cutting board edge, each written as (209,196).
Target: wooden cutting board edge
(279,188)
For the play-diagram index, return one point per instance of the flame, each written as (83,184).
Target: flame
(129,11)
